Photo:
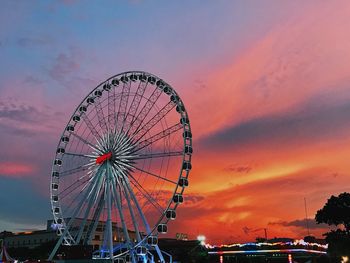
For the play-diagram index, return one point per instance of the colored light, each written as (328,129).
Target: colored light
(267,251)
(201,239)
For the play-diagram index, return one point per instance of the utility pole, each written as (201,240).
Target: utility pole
(307,220)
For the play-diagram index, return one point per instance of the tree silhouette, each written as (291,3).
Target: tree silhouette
(337,212)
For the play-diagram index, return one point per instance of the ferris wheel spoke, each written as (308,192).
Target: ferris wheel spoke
(87,182)
(146,109)
(90,126)
(136,103)
(78,169)
(86,142)
(81,155)
(141,132)
(81,180)
(111,108)
(153,174)
(124,98)
(158,136)
(144,192)
(72,188)
(100,115)
(157,155)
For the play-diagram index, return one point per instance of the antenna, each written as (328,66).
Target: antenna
(306,217)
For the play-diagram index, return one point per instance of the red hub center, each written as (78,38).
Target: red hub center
(101,159)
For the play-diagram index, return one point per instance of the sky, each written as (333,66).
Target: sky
(266,85)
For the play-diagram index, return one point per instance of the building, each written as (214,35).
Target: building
(37,238)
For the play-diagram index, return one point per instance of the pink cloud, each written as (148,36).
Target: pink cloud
(13,169)
(293,62)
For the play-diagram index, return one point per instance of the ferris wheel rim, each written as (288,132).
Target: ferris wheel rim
(185,127)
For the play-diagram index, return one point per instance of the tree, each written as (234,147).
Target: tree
(337,212)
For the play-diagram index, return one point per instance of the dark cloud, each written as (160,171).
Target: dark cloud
(64,65)
(244,169)
(316,119)
(163,197)
(66,70)
(22,113)
(193,199)
(32,80)
(248,230)
(16,131)
(302,223)
(33,42)
(69,2)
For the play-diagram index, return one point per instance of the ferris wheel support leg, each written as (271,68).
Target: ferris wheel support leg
(109,219)
(132,213)
(125,230)
(143,217)
(88,209)
(95,219)
(170,256)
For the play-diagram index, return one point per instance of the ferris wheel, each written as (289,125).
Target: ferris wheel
(121,167)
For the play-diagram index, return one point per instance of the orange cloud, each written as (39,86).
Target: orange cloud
(233,214)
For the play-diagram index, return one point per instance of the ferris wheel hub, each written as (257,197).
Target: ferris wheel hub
(101,159)
(118,149)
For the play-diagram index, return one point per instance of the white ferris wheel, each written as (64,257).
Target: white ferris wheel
(121,167)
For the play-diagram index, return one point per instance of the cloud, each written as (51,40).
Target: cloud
(192,199)
(21,112)
(311,121)
(249,231)
(16,169)
(69,2)
(34,42)
(64,66)
(301,223)
(69,71)
(20,118)
(274,201)
(16,131)
(293,62)
(242,169)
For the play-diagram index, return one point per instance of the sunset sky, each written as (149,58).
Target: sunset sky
(266,85)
